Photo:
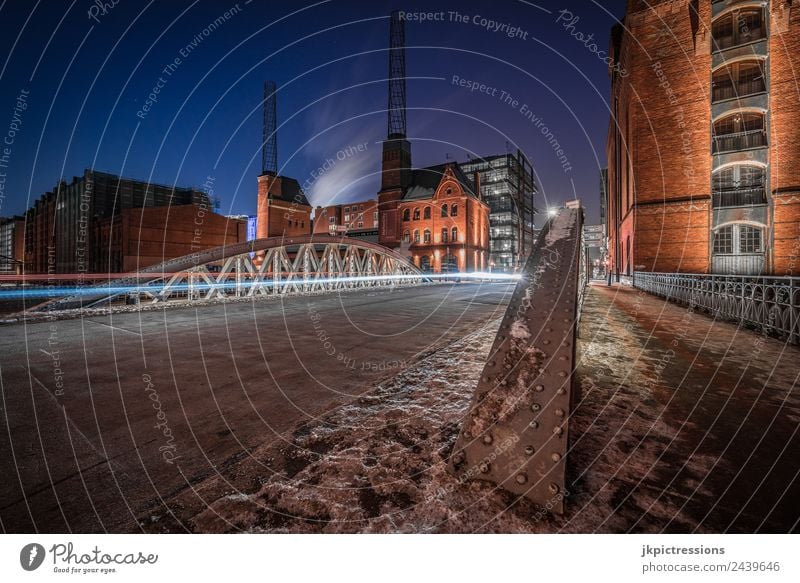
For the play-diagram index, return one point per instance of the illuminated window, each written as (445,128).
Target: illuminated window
(406,237)
(454,210)
(444,210)
(427,236)
(406,215)
(416,214)
(454,235)
(416,235)
(444,235)
(427,213)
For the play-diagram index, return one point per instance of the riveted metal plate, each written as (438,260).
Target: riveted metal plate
(515,433)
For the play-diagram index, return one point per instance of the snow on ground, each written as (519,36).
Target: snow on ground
(378,464)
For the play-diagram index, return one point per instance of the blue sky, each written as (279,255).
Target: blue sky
(88,78)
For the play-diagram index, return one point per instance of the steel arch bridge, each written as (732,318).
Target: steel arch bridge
(263,267)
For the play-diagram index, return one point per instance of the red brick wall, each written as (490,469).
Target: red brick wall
(277,217)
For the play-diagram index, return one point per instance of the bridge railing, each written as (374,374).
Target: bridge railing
(769,304)
(515,433)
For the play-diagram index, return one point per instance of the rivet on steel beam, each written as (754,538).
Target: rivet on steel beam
(538,388)
(555,457)
(561,390)
(533,424)
(562,373)
(559,412)
(529,450)
(545,342)
(485,468)
(553,487)
(521,478)
(557,431)
(487,438)
(535,406)
(458,458)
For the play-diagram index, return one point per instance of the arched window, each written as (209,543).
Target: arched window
(444,210)
(444,235)
(738,27)
(454,235)
(739,185)
(738,80)
(427,236)
(406,237)
(416,235)
(416,214)
(427,212)
(454,210)
(739,131)
(738,238)
(406,214)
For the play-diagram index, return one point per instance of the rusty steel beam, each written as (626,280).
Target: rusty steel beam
(515,433)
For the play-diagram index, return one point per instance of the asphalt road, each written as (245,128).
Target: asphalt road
(105,416)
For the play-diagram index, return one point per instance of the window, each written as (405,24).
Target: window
(361,207)
(375,216)
(737,28)
(332,220)
(406,237)
(749,239)
(444,235)
(416,214)
(723,240)
(427,236)
(416,235)
(739,131)
(406,215)
(454,235)
(347,209)
(444,210)
(454,210)
(347,218)
(360,224)
(738,80)
(427,212)
(739,185)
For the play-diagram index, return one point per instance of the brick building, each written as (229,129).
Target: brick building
(12,244)
(440,222)
(704,139)
(353,219)
(283,210)
(136,238)
(59,226)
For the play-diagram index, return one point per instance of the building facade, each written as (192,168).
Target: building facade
(282,208)
(440,222)
(136,238)
(704,139)
(508,187)
(59,227)
(354,219)
(12,244)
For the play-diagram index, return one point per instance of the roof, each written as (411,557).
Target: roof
(425,181)
(291,191)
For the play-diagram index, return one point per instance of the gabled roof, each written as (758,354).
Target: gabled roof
(425,181)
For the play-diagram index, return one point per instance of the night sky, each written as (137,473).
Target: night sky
(88,80)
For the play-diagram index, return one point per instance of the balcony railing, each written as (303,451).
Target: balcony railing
(739,90)
(739,197)
(769,304)
(739,141)
(726,42)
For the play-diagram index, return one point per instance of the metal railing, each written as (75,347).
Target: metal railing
(741,89)
(769,304)
(739,141)
(739,197)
